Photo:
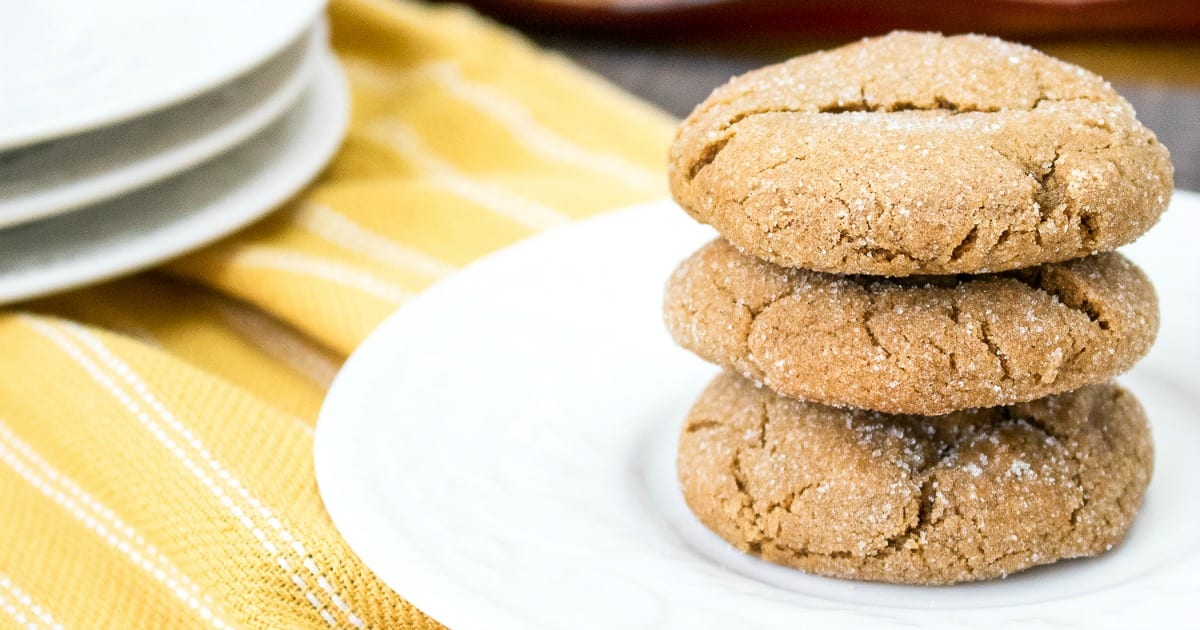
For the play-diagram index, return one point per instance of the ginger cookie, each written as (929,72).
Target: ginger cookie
(920,344)
(915,153)
(967,496)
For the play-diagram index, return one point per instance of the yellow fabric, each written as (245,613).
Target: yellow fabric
(156,432)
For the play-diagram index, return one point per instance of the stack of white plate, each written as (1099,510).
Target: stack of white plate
(132,131)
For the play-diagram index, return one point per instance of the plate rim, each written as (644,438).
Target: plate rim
(41,202)
(358,538)
(325,127)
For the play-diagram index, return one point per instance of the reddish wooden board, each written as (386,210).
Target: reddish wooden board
(674,19)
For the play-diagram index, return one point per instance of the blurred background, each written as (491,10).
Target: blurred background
(674,52)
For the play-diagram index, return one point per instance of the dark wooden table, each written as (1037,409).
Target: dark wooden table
(1160,78)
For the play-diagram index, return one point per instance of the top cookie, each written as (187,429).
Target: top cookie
(920,154)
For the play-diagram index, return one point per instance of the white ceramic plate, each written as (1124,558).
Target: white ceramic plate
(501,452)
(70,66)
(61,175)
(182,213)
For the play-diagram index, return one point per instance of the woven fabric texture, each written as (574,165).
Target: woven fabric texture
(156,432)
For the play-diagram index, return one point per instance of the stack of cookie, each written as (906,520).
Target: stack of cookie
(918,309)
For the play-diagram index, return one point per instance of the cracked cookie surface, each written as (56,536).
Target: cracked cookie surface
(921,344)
(972,495)
(920,154)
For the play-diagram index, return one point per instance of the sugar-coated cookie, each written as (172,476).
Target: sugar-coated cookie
(921,344)
(911,499)
(915,153)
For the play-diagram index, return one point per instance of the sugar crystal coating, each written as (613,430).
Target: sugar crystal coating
(917,307)
(915,153)
(922,344)
(972,495)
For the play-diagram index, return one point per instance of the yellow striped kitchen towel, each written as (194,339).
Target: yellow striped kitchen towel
(156,432)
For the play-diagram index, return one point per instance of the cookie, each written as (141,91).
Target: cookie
(967,496)
(915,154)
(920,344)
